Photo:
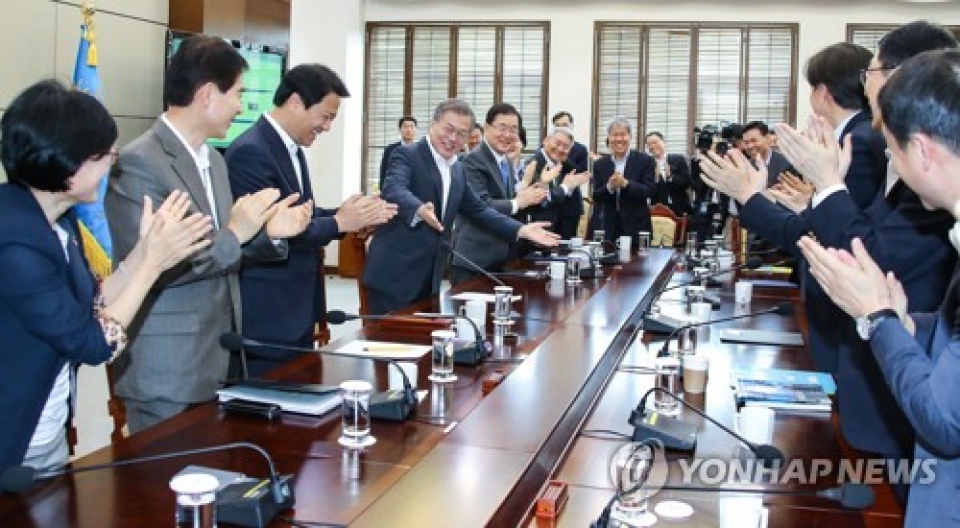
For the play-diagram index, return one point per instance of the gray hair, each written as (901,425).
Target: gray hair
(457,106)
(620,122)
(554,130)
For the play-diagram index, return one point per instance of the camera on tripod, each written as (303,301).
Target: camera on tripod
(717,138)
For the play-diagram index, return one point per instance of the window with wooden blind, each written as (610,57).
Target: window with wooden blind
(672,78)
(412,67)
(868,35)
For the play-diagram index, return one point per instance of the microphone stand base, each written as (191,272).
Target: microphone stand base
(251,503)
(673,433)
(391,406)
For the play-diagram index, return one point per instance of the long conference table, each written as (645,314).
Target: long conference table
(473,460)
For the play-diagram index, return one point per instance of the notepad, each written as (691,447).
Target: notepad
(762,337)
(383,350)
(315,404)
(485,297)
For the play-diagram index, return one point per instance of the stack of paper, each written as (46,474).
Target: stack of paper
(296,402)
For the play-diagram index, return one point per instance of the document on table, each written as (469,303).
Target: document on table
(476,296)
(383,350)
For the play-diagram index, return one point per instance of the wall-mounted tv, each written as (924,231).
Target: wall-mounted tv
(260,81)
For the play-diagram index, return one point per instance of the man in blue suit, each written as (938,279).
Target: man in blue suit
(286,297)
(918,353)
(406,258)
(903,236)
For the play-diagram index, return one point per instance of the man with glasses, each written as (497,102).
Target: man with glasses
(551,169)
(288,295)
(406,259)
(899,232)
(578,157)
(490,174)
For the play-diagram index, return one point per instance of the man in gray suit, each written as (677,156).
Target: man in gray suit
(758,142)
(490,174)
(174,358)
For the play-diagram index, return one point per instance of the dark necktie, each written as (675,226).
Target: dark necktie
(306,191)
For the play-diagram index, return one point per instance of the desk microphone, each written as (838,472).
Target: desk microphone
(247,503)
(782,308)
(445,244)
(664,324)
(663,428)
(473,354)
(391,405)
(850,495)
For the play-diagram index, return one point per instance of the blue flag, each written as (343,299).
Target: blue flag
(93,221)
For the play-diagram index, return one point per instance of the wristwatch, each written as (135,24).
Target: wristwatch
(868,323)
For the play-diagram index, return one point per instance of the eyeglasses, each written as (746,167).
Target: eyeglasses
(864,73)
(450,130)
(113,154)
(506,129)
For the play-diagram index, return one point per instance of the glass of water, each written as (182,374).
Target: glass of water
(643,242)
(442,354)
(355,417)
(573,269)
(502,303)
(691,248)
(598,235)
(668,379)
(196,500)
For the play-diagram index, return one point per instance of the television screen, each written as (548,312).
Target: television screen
(260,81)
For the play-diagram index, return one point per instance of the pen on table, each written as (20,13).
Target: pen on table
(386,348)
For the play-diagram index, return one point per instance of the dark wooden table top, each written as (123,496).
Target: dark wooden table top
(466,460)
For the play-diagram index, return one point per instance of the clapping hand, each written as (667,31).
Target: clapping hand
(815,152)
(286,220)
(733,175)
(169,235)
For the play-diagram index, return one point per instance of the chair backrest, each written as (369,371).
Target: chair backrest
(669,230)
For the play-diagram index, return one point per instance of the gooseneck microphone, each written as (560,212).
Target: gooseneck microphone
(445,244)
(385,406)
(768,455)
(249,508)
(782,308)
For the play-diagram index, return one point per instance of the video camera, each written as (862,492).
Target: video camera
(716,137)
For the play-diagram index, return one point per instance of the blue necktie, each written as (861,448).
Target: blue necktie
(505,174)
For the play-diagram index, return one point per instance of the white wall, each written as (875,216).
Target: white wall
(39,38)
(331,33)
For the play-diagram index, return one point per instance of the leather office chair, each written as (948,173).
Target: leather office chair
(668,229)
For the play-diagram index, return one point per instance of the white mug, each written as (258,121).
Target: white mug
(623,243)
(576,242)
(741,510)
(743,292)
(558,270)
(755,423)
(476,311)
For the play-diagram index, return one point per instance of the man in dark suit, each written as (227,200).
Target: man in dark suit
(838,96)
(756,143)
(579,158)
(174,357)
(917,353)
(408,135)
(622,184)
(406,259)
(903,236)
(551,169)
(490,174)
(672,176)
(288,295)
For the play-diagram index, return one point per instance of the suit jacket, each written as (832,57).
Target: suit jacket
(868,165)
(46,315)
(674,193)
(579,160)
(405,257)
(625,212)
(778,164)
(474,240)
(288,293)
(903,237)
(922,371)
(385,160)
(174,351)
(549,210)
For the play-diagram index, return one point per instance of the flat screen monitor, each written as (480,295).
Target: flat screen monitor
(260,81)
